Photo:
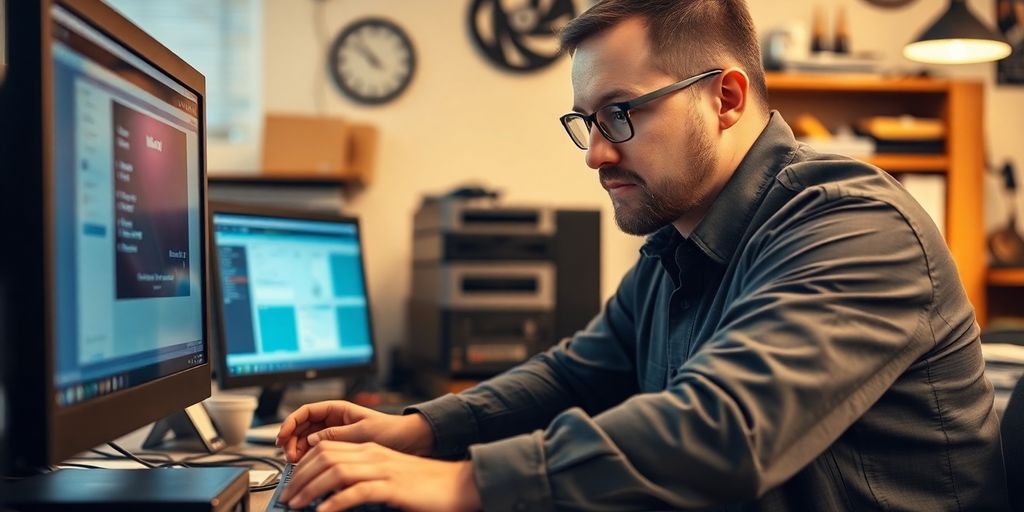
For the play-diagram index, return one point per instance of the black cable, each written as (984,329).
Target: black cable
(265,487)
(77,465)
(104,454)
(153,457)
(278,466)
(196,461)
(128,454)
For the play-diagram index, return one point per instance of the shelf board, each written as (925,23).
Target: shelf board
(804,82)
(317,180)
(910,163)
(1006,276)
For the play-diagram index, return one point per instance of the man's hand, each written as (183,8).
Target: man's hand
(337,420)
(370,473)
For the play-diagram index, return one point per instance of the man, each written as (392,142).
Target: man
(794,335)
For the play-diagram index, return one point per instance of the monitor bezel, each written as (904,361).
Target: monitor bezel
(45,432)
(226,381)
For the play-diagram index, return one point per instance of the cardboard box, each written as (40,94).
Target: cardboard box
(296,146)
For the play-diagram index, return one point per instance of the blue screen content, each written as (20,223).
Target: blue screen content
(127,233)
(292,294)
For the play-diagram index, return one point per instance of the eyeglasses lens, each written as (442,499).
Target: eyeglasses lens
(615,123)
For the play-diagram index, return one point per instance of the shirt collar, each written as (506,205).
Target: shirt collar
(718,234)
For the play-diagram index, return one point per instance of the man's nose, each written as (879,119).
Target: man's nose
(601,153)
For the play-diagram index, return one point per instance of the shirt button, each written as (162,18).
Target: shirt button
(520,506)
(673,372)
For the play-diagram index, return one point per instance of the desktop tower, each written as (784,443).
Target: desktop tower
(494,284)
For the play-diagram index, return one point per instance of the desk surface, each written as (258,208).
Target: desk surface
(133,442)
(257,500)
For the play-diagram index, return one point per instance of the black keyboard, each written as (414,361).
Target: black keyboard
(275,506)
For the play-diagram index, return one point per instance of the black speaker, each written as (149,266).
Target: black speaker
(577,249)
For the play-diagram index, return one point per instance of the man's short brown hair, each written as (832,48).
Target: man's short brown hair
(686,36)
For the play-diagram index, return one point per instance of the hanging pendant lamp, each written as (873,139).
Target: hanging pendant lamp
(957,37)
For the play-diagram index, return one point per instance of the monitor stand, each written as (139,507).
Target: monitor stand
(193,431)
(268,409)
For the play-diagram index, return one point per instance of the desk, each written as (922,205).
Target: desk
(133,443)
(257,500)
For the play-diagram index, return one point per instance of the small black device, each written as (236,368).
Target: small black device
(290,301)
(217,489)
(372,61)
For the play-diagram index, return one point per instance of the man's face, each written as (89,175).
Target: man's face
(662,173)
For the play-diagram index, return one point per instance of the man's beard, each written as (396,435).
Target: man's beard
(670,197)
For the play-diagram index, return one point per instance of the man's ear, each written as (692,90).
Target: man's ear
(732,95)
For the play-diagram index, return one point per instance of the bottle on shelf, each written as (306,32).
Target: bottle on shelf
(819,28)
(1006,244)
(841,39)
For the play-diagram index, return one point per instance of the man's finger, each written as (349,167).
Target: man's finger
(291,423)
(326,455)
(336,476)
(373,491)
(318,412)
(303,472)
(354,433)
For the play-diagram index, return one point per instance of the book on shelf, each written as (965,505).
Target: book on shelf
(930,191)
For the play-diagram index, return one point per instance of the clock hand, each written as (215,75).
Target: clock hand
(370,57)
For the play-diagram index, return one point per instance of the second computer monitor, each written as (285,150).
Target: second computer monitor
(290,300)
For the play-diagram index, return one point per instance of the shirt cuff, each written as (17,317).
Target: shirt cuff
(452,422)
(511,474)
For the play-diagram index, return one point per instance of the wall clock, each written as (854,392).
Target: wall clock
(372,61)
(520,36)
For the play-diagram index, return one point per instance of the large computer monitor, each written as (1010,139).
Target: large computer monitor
(102,292)
(289,299)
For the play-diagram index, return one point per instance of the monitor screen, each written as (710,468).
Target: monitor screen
(126,154)
(103,320)
(292,300)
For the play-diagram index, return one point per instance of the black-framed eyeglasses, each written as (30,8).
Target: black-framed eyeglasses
(613,120)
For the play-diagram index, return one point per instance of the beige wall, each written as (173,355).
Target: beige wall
(463,120)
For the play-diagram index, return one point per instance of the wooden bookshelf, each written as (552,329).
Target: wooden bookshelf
(911,163)
(1007,277)
(804,82)
(838,99)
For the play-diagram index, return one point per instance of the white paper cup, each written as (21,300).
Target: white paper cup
(232,414)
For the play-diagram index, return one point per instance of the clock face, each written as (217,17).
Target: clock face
(372,61)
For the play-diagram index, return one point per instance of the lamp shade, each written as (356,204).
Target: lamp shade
(957,37)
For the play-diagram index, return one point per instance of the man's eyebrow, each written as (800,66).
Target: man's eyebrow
(606,98)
